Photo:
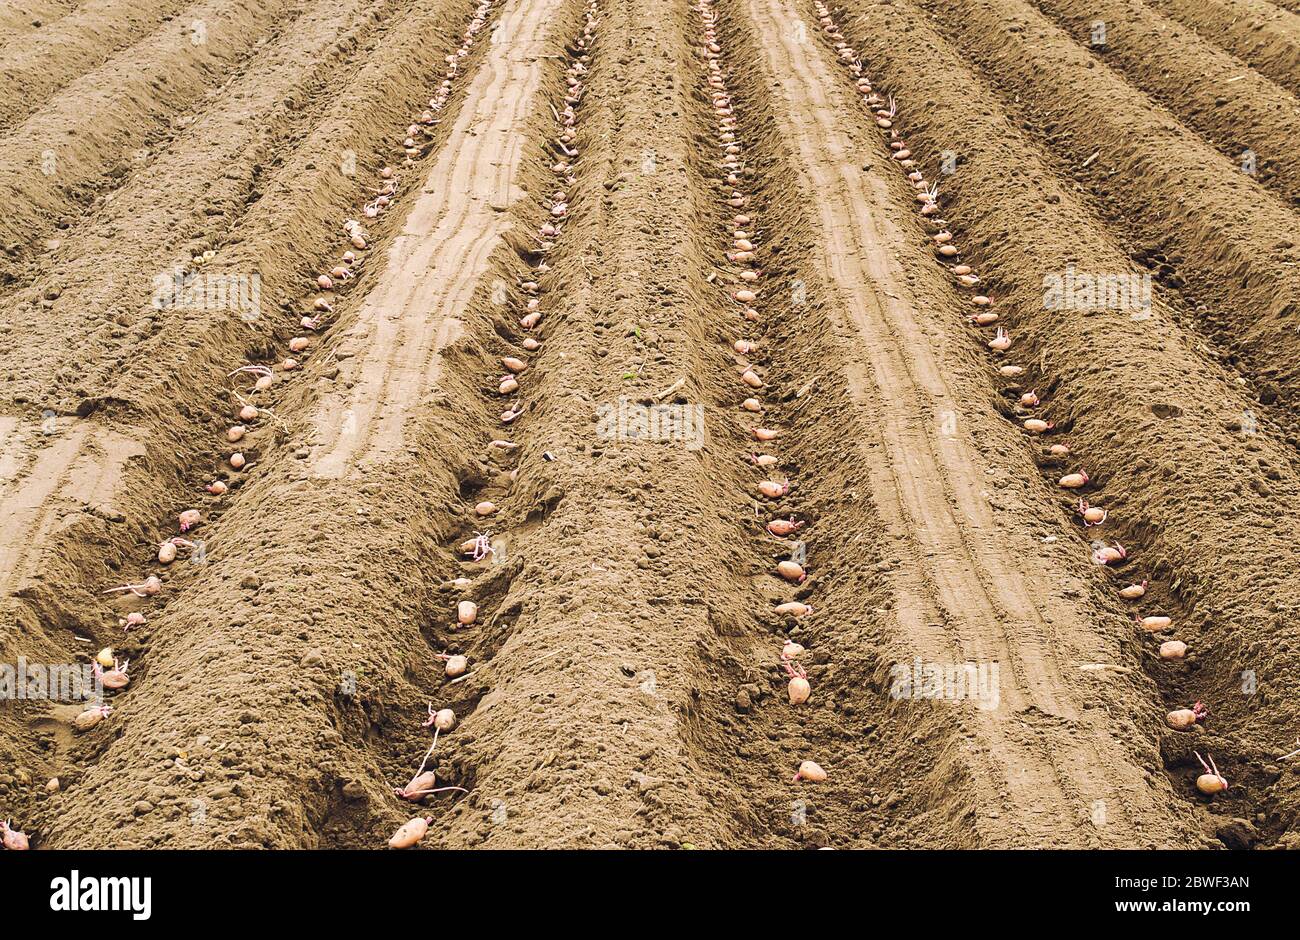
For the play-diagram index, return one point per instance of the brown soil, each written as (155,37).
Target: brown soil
(1263,34)
(625,685)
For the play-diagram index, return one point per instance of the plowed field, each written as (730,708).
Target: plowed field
(592,376)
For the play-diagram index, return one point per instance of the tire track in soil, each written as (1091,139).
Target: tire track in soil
(1157,424)
(389,357)
(961,590)
(542,265)
(616,740)
(743,730)
(74,469)
(1217,95)
(1255,31)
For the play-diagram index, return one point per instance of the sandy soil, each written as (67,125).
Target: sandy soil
(622,174)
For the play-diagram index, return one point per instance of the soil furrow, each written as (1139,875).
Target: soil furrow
(977,607)
(850,724)
(239,146)
(588,720)
(1256,31)
(20,19)
(366,667)
(655,400)
(39,65)
(52,164)
(389,356)
(1250,120)
(74,556)
(207,157)
(1204,227)
(1156,426)
(200,344)
(265,196)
